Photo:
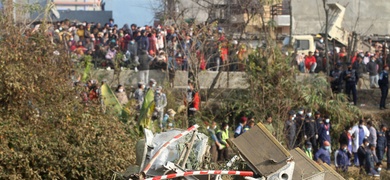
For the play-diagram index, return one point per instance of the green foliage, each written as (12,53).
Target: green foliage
(87,67)
(45,132)
(275,89)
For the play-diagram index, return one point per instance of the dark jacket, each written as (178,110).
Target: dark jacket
(310,127)
(359,67)
(372,68)
(383,79)
(143,43)
(144,60)
(362,152)
(344,138)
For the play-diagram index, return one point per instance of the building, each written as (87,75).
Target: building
(77,5)
(248,16)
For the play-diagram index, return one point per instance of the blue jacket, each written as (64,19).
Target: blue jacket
(371,160)
(381,139)
(322,154)
(383,79)
(143,43)
(324,133)
(343,160)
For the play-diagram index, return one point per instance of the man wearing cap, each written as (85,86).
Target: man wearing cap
(351,78)
(310,62)
(384,85)
(240,128)
(372,69)
(160,100)
(310,130)
(308,149)
(336,79)
(290,129)
(323,153)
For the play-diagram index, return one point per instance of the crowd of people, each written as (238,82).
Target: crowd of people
(169,48)
(360,144)
(347,75)
(146,47)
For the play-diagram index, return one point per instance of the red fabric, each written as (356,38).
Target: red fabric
(196,101)
(224,53)
(353,59)
(152,43)
(309,61)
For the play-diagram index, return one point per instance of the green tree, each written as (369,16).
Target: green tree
(45,132)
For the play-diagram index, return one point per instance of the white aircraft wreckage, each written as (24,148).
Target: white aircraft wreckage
(182,154)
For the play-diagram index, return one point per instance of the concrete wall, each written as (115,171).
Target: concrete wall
(130,78)
(309,16)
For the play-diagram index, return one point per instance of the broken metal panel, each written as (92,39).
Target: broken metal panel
(330,173)
(285,173)
(264,154)
(306,168)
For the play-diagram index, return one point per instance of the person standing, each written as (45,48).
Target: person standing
(384,85)
(215,145)
(381,142)
(240,128)
(336,79)
(139,95)
(361,155)
(192,102)
(372,138)
(308,149)
(290,130)
(324,131)
(371,161)
(310,130)
(351,78)
(223,136)
(342,158)
(346,138)
(359,132)
(360,69)
(372,69)
(121,95)
(142,42)
(299,119)
(269,126)
(323,153)
(160,100)
(144,65)
(388,149)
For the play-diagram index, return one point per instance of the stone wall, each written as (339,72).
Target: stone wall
(231,80)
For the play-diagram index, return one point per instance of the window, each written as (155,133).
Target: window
(301,44)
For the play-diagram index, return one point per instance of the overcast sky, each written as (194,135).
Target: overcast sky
(139,12)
